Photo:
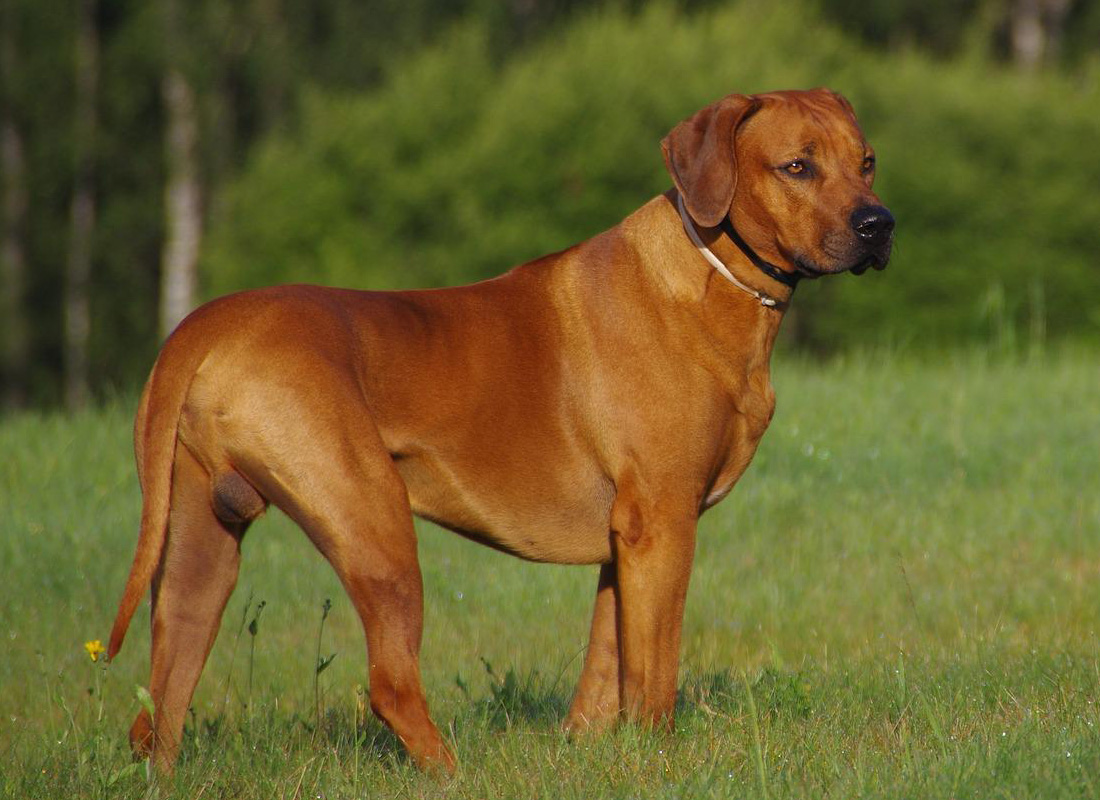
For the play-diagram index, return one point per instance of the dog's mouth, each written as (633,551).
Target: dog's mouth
(875,261)
(876,257)
(808,270)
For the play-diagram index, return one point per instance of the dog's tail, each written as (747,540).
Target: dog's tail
(155,431)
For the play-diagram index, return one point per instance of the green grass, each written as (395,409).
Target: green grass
(900,599)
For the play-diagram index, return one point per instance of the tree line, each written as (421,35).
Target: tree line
(127,126)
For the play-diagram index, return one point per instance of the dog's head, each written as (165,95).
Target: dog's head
(793,173)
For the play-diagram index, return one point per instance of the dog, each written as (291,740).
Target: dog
(583,408)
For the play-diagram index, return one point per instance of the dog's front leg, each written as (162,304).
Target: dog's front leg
(654,544)
(596,703)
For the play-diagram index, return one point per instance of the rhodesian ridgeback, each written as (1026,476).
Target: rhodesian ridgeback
(583,408)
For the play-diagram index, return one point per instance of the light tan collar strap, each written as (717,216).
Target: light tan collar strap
(765,300)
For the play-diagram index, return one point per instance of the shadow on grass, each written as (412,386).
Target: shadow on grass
(530,698)
(514,698)
(274,733)
(511,699)
(774,692)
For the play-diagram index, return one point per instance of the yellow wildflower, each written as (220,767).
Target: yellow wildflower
(95,648)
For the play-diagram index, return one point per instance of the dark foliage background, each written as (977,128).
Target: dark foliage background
(426,142)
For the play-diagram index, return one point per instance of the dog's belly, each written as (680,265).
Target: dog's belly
(536,514)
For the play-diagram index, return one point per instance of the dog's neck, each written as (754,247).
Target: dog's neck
(788,279)
(734,333)
(777,300)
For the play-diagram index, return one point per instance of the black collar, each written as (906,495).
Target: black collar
(790,279)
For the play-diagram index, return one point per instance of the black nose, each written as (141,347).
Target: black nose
(872,224)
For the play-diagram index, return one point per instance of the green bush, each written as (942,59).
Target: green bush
(459,168)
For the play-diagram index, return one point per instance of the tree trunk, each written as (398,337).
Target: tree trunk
(183,193)
(275,63)
(13,270)
(83,211)
(13,259)
(1056,13)
(1036,29)
(82,215)
(182,201)
(1027,34)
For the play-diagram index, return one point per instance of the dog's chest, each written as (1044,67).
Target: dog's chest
(750,414)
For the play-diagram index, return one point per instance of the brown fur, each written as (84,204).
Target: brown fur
(584,408)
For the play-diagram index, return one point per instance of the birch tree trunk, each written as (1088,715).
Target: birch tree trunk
(13,260)
(82,214)
(1036,28)
(182,202)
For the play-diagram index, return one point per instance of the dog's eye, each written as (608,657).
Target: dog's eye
(797,167)
(868,164)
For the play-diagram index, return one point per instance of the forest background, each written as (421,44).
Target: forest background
(156,154)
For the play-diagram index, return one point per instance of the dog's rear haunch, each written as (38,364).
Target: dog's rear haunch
(584,408)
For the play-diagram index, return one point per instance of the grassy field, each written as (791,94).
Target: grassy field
(900,599)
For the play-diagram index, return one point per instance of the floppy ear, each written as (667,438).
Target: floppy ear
(699,156)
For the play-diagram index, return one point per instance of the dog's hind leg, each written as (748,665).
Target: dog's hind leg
(330,472)
(371,543)
(373,551)
(197,574)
